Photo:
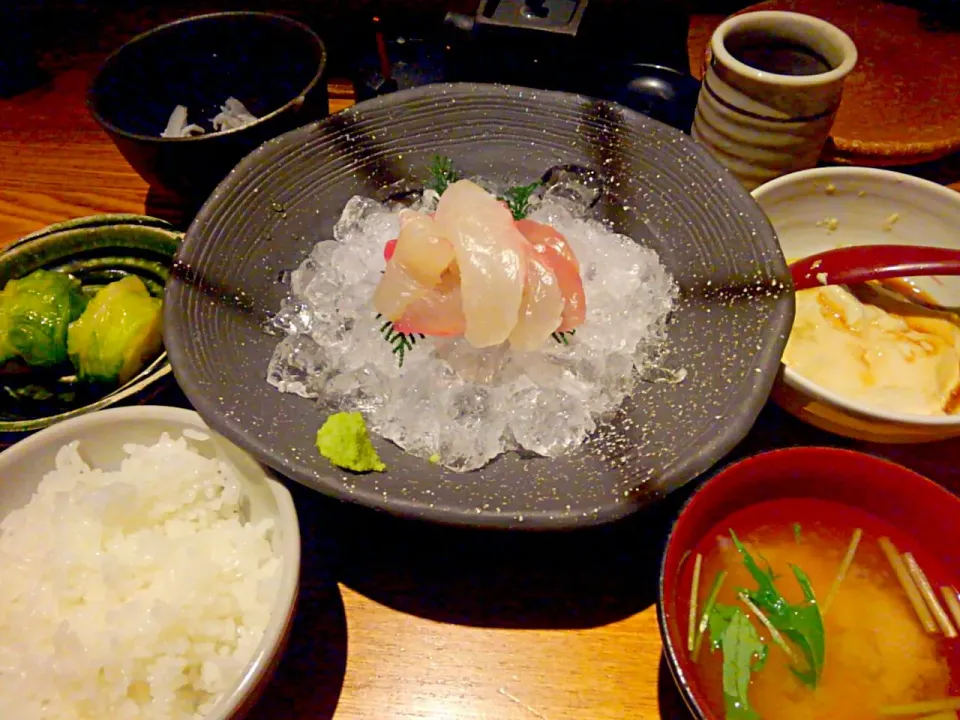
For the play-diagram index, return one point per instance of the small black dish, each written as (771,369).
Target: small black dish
(660,92)
(274,65)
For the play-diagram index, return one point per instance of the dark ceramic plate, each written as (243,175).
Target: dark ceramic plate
(96,250)
(661,189)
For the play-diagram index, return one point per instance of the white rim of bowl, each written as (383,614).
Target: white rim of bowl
(270,643)
(792,377)
(761,19)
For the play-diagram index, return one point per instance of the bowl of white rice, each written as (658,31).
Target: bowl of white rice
(149,570)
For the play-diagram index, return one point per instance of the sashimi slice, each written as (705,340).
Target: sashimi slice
(489,252)
(422,248)
(553,251)
(417,262)
(438,313)
(538,234)
(396,290)
(542,306)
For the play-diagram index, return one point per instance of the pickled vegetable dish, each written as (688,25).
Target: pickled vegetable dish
(106,336)
(800,609)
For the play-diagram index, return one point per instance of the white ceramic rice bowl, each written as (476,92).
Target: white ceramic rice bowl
(825,208)
(102,436)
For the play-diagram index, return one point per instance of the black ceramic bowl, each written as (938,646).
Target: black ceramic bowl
(274,65)
(661,189)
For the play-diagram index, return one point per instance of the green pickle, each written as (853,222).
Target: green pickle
(117,334)
(35,314)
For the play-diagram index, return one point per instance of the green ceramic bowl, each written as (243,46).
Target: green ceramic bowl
(97,250)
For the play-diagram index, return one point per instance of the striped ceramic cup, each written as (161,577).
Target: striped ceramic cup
(771,89)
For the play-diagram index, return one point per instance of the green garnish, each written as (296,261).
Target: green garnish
(717,621)
(344,441)
(442,174)
(561,337)
(743,654)
(708,611)
(518,199)
(401,342)
(803,623)
(796,532)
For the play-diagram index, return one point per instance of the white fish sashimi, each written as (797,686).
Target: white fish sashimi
(396,291)
(542,307)
(422,248)
(437,313)
(419,260)
(555,253)
(490,253)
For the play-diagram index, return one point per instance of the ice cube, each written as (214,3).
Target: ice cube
(356,212)
(361,389)
(292,319)
(573,185)
(429,201)
(548,421)
(414,416)
(300,366)
(479,365)
(352,266)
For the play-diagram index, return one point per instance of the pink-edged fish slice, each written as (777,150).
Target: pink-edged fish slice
(863,263)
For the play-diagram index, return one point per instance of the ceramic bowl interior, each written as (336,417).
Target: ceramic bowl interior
(909,502)
(101,438)
(817,210)
(96,250)
(658,187)
(273,64)
(255,58)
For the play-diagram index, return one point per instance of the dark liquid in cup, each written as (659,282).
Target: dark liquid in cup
(776,55)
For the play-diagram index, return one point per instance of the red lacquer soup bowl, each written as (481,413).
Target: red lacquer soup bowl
(895,516)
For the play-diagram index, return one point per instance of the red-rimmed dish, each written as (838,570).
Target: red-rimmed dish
(917,514)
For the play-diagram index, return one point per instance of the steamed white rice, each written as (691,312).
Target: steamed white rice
(135,593)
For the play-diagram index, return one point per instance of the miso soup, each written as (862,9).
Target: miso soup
(805,617)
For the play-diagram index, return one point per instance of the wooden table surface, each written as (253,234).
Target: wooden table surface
(398,620)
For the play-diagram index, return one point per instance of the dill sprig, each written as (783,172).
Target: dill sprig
(442,174)
(562,337)
(518,199)
(401,342)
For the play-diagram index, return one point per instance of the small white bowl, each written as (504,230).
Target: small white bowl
(825,208)
(102,435)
